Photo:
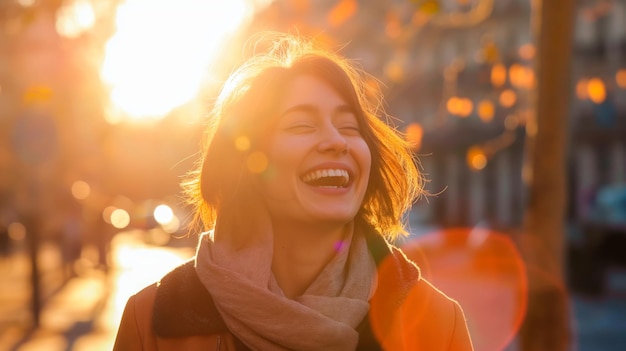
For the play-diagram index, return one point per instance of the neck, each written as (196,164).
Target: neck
(301,252)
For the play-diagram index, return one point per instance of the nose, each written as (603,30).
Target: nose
(333,141)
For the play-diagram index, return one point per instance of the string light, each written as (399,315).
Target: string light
(486,110)
(476,158)
(508,98)
(527,51)
(596,90)
(498,75)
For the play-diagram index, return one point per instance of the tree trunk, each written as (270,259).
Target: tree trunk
(546,326)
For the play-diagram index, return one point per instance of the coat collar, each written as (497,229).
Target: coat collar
(183,307)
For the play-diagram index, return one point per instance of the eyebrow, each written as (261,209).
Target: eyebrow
(313,109)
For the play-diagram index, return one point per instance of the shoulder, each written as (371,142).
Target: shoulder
(183,306)
(407,312)
(146,307)
(135,328)
(175,313)
(176,306)
(167,287)
(438,315)
(427,319)
(143,300)
(431,302)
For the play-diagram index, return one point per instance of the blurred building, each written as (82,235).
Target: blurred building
(597,158)
(459,76)
(598,130)
(54,137)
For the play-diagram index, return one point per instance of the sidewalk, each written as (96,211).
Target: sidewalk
(84,312)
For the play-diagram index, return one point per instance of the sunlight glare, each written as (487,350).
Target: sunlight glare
(120,218)
(159,55)
(75,18)
(140,266)
(171,226)
(26,3)
(163,214)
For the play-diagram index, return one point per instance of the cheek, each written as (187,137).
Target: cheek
(280,175)
(285,155)
(365,158)
(279,170)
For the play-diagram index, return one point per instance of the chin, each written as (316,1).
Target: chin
(335,217)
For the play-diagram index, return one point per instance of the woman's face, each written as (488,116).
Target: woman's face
(319,162)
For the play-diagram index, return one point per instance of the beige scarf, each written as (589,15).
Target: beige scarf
(254,307)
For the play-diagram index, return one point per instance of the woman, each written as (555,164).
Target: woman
(301,188)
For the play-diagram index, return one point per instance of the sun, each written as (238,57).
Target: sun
(161,50)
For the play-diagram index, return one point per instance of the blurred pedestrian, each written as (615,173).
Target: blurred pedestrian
(5,240)
(71,235)
(301,190)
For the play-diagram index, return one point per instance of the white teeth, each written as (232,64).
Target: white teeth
(317,174)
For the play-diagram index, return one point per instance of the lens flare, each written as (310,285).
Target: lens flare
(479,268)
(75,18)
(257,162)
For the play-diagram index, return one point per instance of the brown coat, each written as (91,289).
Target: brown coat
(407,313)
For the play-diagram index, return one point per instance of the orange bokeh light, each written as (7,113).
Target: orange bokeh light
(342,11)
(596,90)
(257,162)
(498,75)
(80,190)
(476,158)
(527,51)
(508,98)
(620,78)
(481,269)
(453,105)
(461,107)
(466,108)
(486,110)
(581,89)
(522,76)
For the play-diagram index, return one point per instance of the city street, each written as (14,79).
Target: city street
(512,111)
(83,312)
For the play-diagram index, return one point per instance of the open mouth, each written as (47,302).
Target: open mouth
(327,178)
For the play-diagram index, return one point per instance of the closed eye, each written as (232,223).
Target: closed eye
(350,130)
(299,128)
(346,122)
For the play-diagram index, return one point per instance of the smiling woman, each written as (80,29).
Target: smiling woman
(160,53)
(296,252)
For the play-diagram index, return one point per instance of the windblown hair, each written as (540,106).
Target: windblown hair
(245,111)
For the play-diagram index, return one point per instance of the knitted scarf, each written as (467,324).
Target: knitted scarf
(324,317)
